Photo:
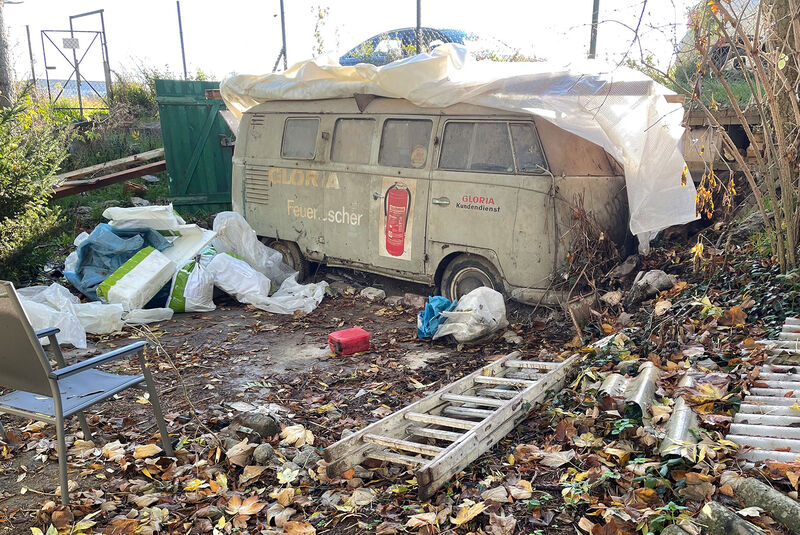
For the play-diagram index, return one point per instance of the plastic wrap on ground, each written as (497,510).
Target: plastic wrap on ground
(55,306)
(235,235)
(429,319)
(477,314)
(104,251)
(618,108)
(141,316)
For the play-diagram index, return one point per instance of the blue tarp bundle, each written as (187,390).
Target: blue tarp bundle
(105,250)
(431,317)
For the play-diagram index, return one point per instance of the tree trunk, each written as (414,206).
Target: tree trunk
(6,74)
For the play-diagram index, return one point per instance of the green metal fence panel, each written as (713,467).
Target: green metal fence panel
(197,146)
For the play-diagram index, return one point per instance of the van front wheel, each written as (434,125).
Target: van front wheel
(292,256)
(467,272)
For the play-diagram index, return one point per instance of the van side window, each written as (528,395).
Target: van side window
(528,150)
(477,146)
(352,140)
(300,138)
(404,142)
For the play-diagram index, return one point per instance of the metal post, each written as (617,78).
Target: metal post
(283,37)
(77,69)
(106,63)
(593,38)
(46,73)
(30,53)
(180,31)
(419,24)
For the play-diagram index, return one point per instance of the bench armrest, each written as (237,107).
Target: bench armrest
(96,361)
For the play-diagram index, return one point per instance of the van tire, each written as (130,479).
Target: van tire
(467,272)
(292,256)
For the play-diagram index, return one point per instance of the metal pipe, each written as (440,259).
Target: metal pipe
(593,38)
(418,31)
(30,53)
(283,38)
(46,74)
(106,62)
(180,32)
(77,69)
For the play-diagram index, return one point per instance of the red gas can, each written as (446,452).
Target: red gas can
(349,341)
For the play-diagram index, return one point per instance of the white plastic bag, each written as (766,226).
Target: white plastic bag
(192,289)
(141,316)
(235,235)
(100,318)
(293,296)
(138,280)
(237,278)
(154,217)
(42,316)
(71,262)
(480,312)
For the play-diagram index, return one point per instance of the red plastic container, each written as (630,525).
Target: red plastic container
(349,341)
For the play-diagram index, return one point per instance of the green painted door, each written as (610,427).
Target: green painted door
(198,146)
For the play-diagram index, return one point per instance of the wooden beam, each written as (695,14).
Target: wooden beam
(405,445)
(105,166)
(79,186)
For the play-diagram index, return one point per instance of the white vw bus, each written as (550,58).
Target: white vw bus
(457,197)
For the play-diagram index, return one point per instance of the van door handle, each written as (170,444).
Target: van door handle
(441,201)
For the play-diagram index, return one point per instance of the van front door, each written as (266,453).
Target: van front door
(399,196)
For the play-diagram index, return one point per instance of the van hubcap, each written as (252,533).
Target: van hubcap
(468,279)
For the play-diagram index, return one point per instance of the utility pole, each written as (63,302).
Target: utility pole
(180,32)
(30,53)
(593,38)
(282,53)
(6,74)
(419,24)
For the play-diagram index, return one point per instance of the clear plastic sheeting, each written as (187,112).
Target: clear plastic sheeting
(141,316)
(618,108)
(235,235)
(477,314)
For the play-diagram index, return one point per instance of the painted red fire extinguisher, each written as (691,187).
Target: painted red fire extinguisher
(396,207)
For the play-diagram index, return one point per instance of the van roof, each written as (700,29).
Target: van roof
(378,105)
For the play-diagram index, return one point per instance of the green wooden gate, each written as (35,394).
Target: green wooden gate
(198,146)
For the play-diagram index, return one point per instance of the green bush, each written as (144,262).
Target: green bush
(32,146)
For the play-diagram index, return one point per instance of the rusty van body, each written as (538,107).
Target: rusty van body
(456,197)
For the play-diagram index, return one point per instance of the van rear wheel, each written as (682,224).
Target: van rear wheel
(292,256)
(467,272)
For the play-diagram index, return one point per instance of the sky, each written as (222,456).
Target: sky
(244,36)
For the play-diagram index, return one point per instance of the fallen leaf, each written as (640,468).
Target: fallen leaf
(468,510)
(296,435)
(287,475)
(299,528)
(502,525)
(148,450)
(422,519)
(284,496)
(522,490)
(240,453)
(250,473)
(750,511)
(497,494)
(662,307)
(557,458)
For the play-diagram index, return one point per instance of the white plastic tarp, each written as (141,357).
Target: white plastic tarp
(618,108)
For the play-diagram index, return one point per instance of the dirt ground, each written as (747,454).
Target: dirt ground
(239,353)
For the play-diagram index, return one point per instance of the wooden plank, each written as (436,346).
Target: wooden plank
(128,160)
(486,380)
(390,457)
(488,432)
(79,186)
(488,402)
(438,434)
(467,412)
(431,419)
(405,445)
(395,424)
